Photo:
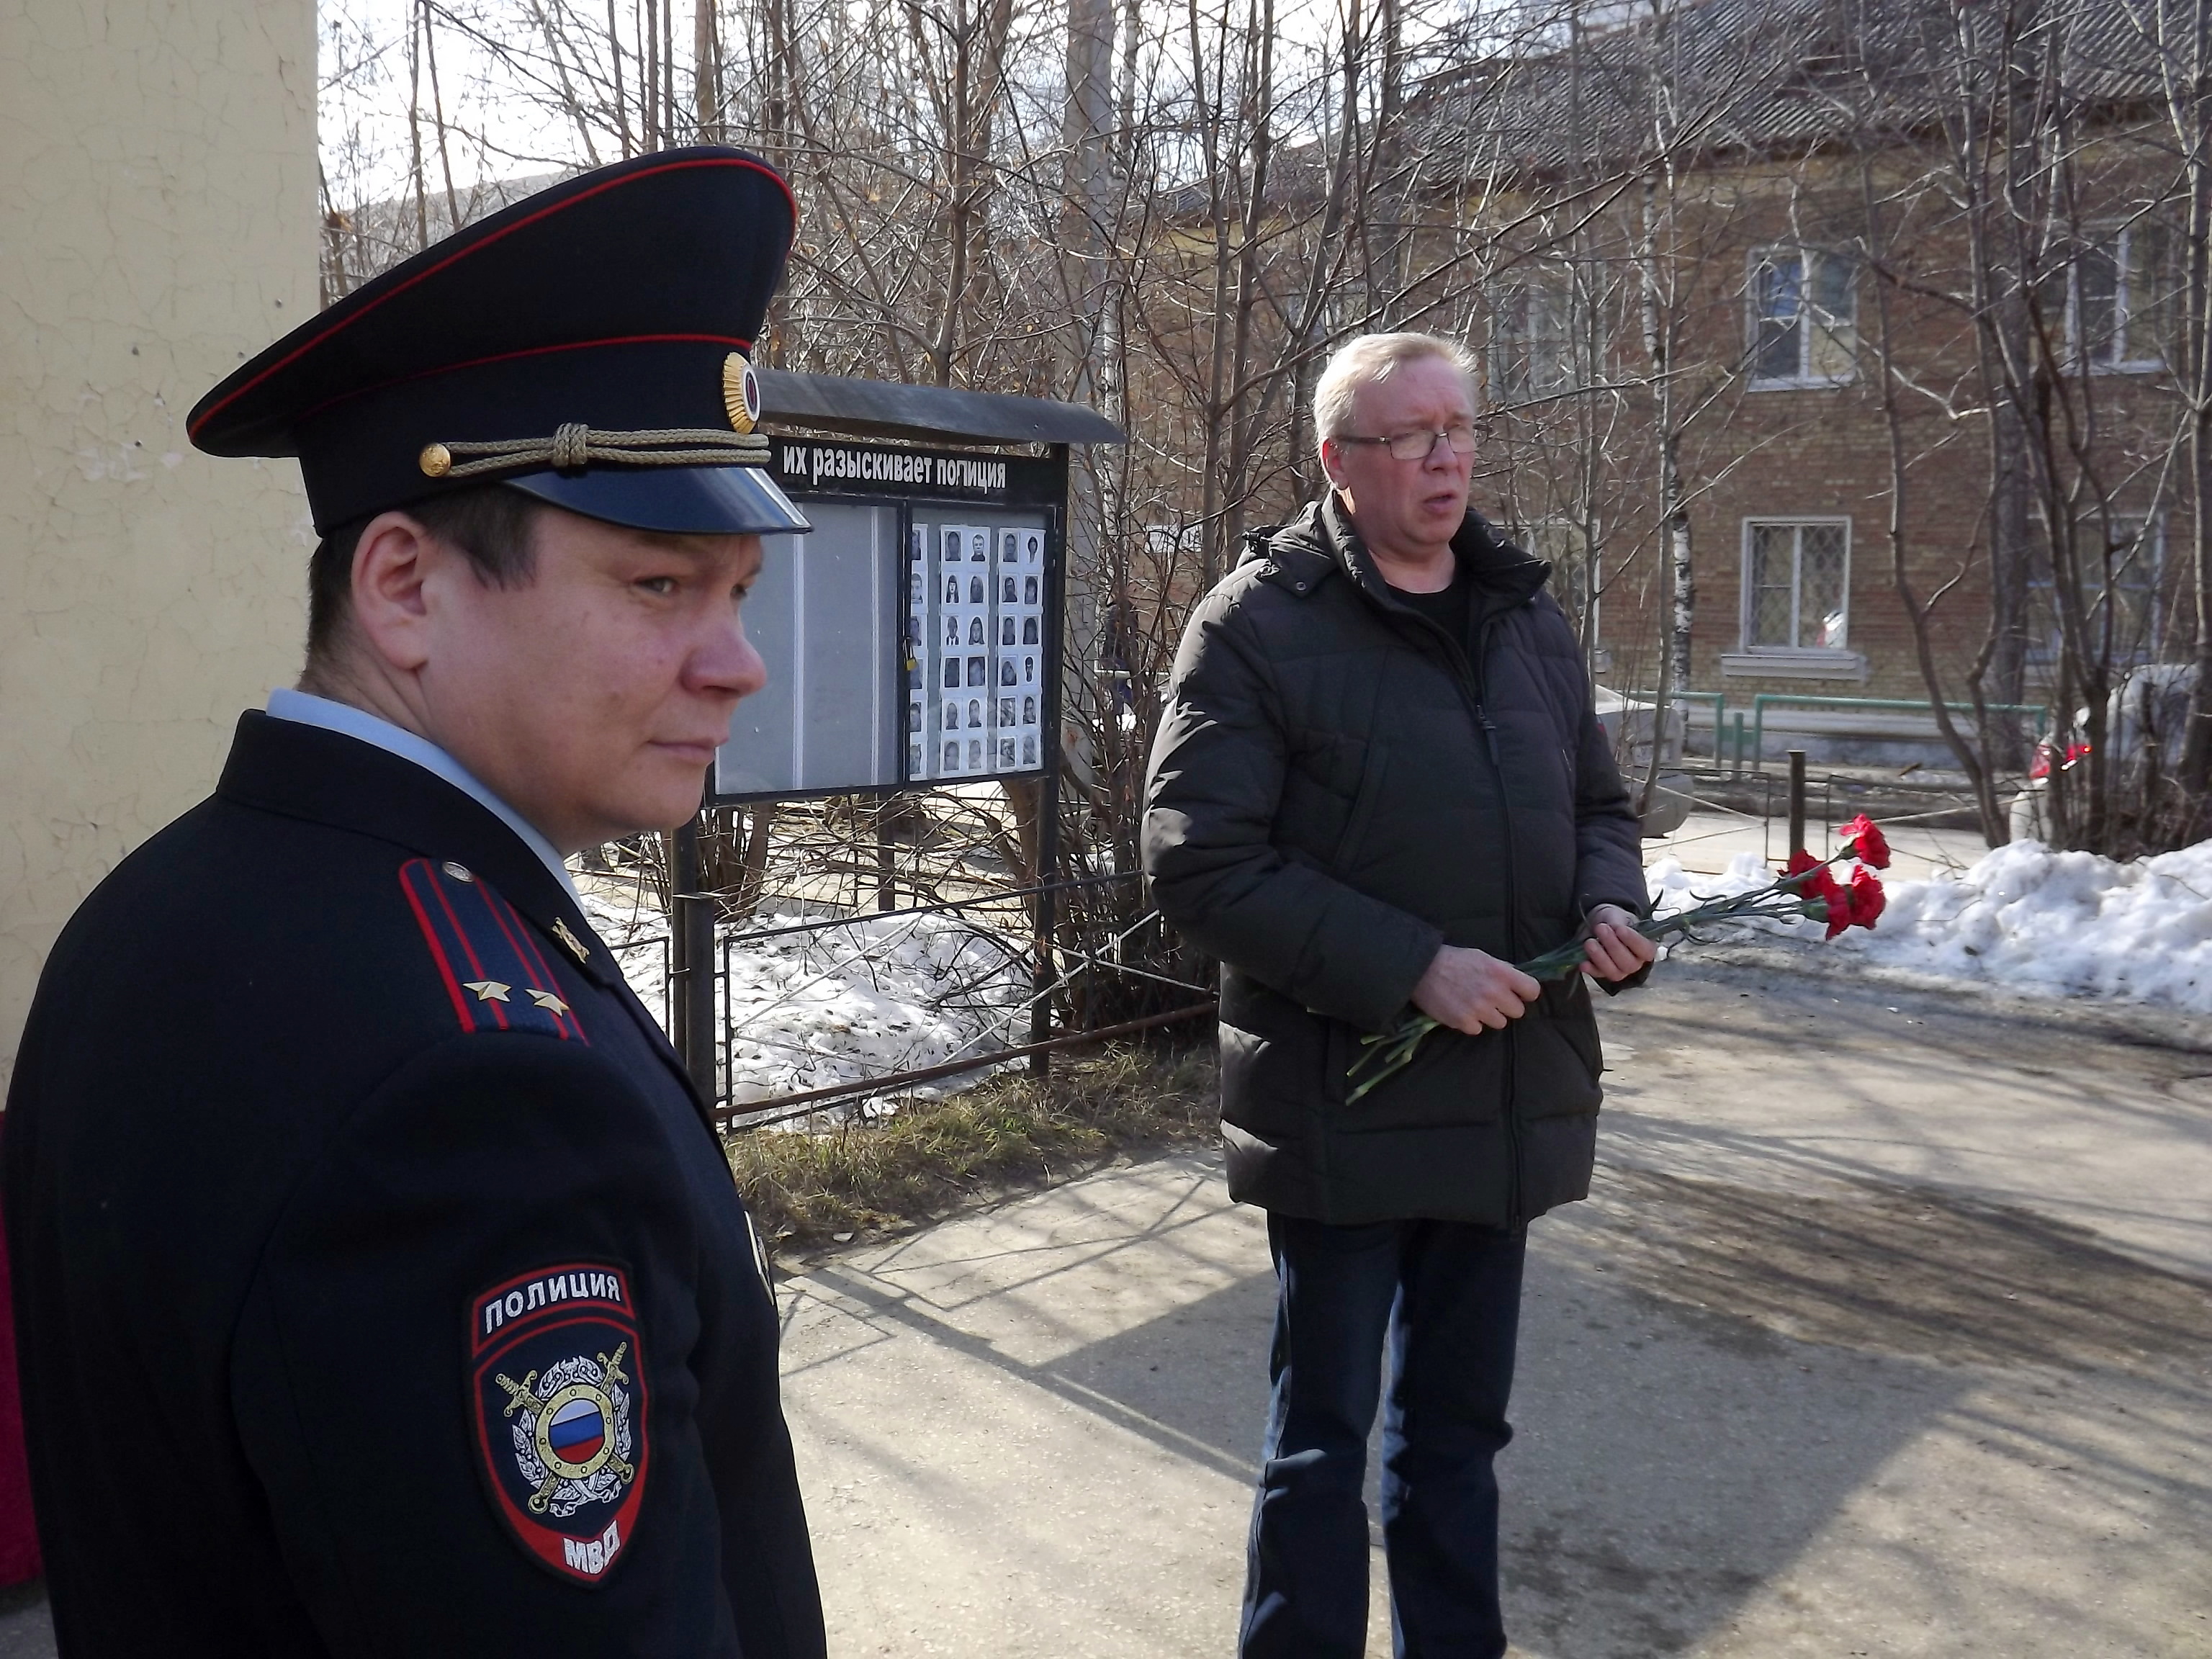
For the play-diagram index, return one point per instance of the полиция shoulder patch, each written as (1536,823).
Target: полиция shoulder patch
(557,1386)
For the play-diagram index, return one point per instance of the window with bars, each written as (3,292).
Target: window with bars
(1804,318)
(1533,348)
(2120,558)
(1797,583)
(2121,297)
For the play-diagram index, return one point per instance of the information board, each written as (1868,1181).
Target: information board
(910,638)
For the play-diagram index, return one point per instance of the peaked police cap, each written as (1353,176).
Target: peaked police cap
(589,345)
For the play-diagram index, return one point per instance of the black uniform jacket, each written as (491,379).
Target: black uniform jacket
(379,1286)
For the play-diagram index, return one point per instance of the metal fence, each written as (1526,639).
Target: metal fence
(1044,953)
(1031,968)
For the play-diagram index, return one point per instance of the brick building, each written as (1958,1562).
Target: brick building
(1792,289)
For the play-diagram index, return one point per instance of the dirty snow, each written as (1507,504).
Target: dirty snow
(2023,918)
(813,1010)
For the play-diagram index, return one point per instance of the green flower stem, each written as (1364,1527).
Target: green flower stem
(1385,1053)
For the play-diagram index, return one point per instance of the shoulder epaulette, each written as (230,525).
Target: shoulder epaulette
(485,954)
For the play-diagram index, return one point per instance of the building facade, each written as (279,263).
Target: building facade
(157,225)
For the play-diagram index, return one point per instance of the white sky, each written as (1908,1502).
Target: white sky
(501,125)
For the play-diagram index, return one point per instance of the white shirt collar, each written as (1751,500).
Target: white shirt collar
(308,710)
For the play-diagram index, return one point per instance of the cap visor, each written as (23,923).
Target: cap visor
(678,500)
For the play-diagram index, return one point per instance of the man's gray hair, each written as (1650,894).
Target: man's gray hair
(1373,358)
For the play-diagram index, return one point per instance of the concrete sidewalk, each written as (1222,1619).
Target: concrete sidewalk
(1888,1331)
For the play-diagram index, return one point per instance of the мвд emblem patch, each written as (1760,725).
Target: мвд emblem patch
(557,1383)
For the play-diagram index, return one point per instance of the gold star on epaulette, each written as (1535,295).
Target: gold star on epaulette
(548,1000)
(576,946)
(488,990)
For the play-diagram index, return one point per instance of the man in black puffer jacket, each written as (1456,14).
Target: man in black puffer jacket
(1378,783)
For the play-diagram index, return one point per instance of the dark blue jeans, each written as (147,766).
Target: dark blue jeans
(1445,1296)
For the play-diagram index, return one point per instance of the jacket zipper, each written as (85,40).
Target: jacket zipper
(1472,678)
(1477,671)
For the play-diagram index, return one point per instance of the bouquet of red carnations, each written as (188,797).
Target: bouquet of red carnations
(1807,887)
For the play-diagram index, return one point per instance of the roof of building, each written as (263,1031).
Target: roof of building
(1778,76)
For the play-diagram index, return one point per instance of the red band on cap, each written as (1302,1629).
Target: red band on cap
(531,351)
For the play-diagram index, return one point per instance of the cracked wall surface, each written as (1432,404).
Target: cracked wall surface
(157,225)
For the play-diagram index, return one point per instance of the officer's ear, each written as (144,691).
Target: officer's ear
(394,563)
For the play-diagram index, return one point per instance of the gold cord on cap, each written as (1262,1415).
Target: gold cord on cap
(574,445)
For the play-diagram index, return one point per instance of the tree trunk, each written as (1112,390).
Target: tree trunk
(706,73)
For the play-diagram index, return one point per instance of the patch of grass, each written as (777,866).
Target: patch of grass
(931,1156)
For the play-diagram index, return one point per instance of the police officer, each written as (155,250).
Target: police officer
(380,1283)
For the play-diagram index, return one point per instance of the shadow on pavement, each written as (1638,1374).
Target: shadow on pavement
(25,1631)
(1710,1374)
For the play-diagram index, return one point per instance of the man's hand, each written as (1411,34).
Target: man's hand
(1470,991)
(1615,951)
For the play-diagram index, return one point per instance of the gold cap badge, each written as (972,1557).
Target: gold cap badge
(741,395)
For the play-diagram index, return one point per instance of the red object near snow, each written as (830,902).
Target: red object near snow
(2040,766)
(1866,843)
(1867,898)
(1820,881)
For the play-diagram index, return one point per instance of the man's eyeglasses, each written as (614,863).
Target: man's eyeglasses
(1419,446)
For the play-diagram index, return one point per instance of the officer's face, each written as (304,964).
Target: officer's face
(592,698)
(1407,509)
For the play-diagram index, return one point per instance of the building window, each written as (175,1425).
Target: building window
(1804,318)
(1533,349)
(2120,559)
(1796,584)
(2121,295)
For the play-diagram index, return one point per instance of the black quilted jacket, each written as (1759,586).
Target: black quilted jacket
(1338,788)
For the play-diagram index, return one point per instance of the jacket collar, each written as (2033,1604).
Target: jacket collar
(1320,542)
(322,776)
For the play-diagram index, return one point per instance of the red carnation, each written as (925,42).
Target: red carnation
(1863,840)
(1839,909)
(1820,882)
(1864,904)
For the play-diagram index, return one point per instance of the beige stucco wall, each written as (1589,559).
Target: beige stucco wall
(157,224)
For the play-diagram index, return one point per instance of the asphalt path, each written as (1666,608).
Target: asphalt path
(1887,1330)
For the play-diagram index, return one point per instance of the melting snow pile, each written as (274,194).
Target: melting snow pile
(809,1010)
(2024,919)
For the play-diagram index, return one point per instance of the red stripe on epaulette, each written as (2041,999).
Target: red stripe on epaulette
(469,925)
(430,936)
(468,945)
(526,949)
(545,967)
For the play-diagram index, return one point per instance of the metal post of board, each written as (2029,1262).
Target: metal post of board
(886,857)
(692,1006)
(1048,857)
(1797,799)
(1048,872)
